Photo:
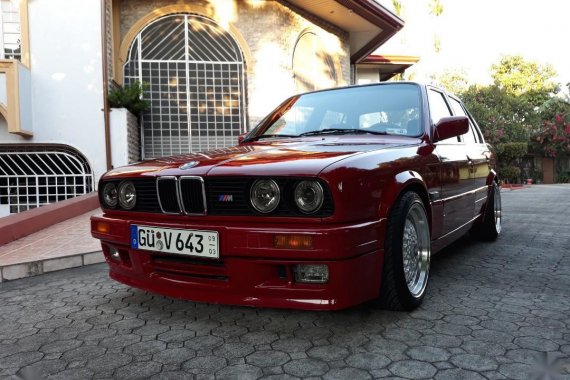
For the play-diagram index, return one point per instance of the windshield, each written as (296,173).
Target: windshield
(392,109)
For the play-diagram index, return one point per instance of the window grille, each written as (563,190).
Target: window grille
(195,70)
(33,176)
(10,37)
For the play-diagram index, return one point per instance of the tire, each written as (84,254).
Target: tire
(489,228)
(406,255)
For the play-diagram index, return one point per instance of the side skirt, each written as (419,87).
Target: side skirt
(442,242)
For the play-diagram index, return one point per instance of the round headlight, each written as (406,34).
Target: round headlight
(127,195)
(265,195)
(110,195)
(309,196)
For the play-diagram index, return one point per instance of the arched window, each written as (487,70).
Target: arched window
(313,67)
(195,70)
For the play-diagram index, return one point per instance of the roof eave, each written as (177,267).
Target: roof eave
(378,15)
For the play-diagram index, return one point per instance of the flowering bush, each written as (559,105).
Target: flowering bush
(554,136)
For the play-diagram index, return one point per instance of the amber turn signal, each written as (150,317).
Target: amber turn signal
(102,227)
(293,241)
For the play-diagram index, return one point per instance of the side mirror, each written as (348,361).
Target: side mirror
(450,127)
(242,137)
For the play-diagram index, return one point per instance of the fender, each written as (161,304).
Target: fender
(393,190)
(491,177)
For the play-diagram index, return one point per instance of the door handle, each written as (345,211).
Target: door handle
(469,160)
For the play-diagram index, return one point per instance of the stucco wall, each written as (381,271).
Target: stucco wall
(66,78)
(270,31)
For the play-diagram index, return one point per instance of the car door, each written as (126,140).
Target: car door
(477,152)
(456,180)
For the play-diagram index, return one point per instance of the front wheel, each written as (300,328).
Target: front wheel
(406,255)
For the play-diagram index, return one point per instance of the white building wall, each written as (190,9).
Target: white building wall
(66,78)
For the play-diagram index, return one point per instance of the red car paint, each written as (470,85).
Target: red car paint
(365,174)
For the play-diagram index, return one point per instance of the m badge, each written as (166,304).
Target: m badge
(225,198)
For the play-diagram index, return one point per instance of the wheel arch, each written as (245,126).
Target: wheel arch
(403,182)
(492,177)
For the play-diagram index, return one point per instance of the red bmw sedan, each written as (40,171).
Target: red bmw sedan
(336,198)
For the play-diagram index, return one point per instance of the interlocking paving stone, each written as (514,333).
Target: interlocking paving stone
(173,355)
(267,358)
(291,345)
(491,311)
(474,362)
(428,354)
(413,369)
(328,353)
(138,370)
(306,367)
(239,372)
(346,373)
(205,364)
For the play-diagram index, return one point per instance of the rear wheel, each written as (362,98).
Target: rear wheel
(406,255)
(490,226)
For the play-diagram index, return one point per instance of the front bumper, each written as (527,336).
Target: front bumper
(250,271)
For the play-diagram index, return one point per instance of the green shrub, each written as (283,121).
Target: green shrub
(511,174)
(130,97)
(563,177)
(511,151)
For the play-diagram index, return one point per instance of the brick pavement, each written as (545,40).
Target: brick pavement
(491,311)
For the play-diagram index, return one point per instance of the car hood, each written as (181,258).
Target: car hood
(306,157)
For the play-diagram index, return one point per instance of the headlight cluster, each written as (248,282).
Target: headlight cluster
(124,195)
(308,195)
(265,195)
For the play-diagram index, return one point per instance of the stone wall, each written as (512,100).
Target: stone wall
(271,30)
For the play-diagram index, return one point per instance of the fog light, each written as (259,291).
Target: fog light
(293,241)
(311,273)
(102,227)
(114,253)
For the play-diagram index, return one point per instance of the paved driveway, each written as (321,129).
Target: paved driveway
(491,310)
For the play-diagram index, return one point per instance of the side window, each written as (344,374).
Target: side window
(470,137)
(438,108)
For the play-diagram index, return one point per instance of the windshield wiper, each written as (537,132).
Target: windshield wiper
(268,137)
(341,131)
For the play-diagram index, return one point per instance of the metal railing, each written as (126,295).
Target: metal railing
(34,176)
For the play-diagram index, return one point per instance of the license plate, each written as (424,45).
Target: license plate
(171,240)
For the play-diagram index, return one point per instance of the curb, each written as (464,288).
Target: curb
(17,226)
(35,268)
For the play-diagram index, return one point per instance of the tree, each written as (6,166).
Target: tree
(553,137)
(519,108)
(398,7)
(436,10)
(453,81)
(518,77)
(504,121)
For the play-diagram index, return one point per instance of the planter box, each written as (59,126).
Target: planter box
(125,137)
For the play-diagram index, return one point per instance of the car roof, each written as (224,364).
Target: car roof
(420,84)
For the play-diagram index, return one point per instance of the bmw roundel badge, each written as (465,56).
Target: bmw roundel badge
(188,165)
